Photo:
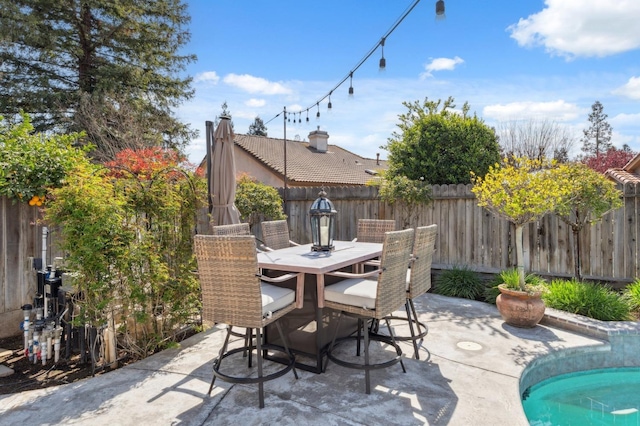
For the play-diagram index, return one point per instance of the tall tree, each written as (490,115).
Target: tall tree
(257,128)
(441,146)
(56,55)
(535,139)
(597,138)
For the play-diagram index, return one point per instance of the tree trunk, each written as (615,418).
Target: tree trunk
(577,261)
(520,256)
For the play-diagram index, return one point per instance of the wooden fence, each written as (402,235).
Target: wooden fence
(467,235)
(20,242)
(472,236)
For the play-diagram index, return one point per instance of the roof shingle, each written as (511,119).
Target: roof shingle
(305,164)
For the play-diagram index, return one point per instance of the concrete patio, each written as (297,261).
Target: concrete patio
(467,375)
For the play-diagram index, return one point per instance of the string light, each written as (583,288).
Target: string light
(351,84)
(382,63)
(318,113)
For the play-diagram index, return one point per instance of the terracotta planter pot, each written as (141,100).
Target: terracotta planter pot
(519,308)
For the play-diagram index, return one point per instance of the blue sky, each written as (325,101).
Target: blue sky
(510,60)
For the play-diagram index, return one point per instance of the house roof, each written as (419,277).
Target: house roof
(627,173)
(305,164)
(622,176)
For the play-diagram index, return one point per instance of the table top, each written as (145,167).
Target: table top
(302,259)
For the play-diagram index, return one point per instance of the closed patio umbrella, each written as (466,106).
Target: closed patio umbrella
(222,167)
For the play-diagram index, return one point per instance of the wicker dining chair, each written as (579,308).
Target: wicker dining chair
(373,230)
(233,293)
(418,282)
(233,229)
(275,235)
(370,300)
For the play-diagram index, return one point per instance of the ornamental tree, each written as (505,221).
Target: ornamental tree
(590,195)
(612,159)
(521,191)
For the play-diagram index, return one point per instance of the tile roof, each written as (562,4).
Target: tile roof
(622,176)
(306,164)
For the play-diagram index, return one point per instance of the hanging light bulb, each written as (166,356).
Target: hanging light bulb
(440,9)
(329,104)
(351,84)
(383,62)
(318,113)
(300,117)
(307,115)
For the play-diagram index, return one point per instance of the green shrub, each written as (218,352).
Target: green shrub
(460,282)
(591,300)
(631,295)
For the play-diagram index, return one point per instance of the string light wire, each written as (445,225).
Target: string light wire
(359,64)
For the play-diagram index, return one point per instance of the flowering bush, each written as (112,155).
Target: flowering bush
(128,232)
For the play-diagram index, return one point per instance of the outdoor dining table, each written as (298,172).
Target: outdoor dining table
(311,328)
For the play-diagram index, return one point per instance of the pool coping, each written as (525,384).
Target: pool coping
(618,346)
(588,326)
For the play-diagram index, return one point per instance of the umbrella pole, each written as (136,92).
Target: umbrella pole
(210,142)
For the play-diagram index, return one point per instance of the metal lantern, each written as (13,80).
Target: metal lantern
(322,215)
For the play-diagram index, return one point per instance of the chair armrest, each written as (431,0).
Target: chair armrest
(293,243)
(286,277)
(354,240)
(265,248)
(352,275)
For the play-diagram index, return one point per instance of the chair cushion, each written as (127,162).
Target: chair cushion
(358,292)
(275,298)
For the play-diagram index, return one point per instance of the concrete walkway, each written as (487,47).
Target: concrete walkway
(467,375)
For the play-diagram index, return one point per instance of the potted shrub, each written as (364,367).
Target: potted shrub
(518,307)
(522,191)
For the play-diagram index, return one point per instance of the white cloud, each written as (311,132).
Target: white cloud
(555,110)
(253,84)
(442,64)
(631,89)
(573,28)
(211,76)
(255,103)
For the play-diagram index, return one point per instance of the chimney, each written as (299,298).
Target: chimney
(318,140)
(377,158)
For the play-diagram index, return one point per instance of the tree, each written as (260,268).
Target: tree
(535,139)
(257,128)
(521,191)
(612,159)
(597,138)
(590,195)
(53,55)
(410,194)
(256,201)
(441,146)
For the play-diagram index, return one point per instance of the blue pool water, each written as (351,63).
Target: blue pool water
(596,397)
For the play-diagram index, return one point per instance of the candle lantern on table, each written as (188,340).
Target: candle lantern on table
(323,222)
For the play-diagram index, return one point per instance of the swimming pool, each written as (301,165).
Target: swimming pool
(595,397)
